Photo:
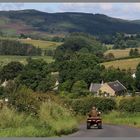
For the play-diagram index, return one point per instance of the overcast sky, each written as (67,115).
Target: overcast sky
(119,10)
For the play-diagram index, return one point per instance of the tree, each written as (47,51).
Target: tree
(109,56)
(134,52)
(131,52)
(36,76)
(79,88)
(78,43)
(120,43)
(138,77)
(13,47)
(11,70)
(46,84)
(132,44)
(66,86)
(23,36)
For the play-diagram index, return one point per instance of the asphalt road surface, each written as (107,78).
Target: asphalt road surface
(107,131)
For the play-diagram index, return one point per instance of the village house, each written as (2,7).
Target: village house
(114,88)
(56,85)
(4,84)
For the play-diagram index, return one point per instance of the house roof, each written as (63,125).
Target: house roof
(94,87)
(116,86)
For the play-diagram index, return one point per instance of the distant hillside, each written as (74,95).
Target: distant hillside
(36,22)
(136,21)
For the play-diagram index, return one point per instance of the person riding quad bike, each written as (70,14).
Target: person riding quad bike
(94,112)
(94,118)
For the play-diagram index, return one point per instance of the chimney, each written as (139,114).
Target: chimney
(102,82)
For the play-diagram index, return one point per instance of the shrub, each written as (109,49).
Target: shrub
(24,99)
(136,104)
(126,105)
(83,106)
(58,118)
(131,104)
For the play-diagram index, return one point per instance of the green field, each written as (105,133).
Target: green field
(5,59)
(123,64)
(41,44)
(38,43)
(118,53)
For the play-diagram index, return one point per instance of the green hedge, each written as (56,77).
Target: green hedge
(131,104)
(84,105)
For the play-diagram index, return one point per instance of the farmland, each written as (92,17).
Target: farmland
(123,64)
(37,43)
(119,53)
(41,44)
(5,59)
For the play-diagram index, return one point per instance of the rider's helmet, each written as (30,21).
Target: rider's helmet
(94,108)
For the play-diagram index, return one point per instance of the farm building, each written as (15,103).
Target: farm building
(114,88)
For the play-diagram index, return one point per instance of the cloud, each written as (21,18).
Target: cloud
(106,6)
(11,6)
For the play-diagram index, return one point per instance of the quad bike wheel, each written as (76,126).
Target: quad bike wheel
(99,126)
(88,125)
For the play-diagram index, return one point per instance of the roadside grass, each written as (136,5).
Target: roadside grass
(52,120)
(123,64)
(122,118)
(5,59)
(58,118)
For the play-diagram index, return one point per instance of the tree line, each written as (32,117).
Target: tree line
(122,41)
(13,47)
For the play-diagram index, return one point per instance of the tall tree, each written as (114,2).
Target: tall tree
(11,70)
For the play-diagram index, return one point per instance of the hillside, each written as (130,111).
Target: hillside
(41,23)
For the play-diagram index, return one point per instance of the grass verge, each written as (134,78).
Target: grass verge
(52,120)
(122,118)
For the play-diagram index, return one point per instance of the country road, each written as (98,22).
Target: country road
(107,131)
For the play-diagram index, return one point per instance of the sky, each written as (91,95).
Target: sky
(130,11)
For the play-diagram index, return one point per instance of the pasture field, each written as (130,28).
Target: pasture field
(38,43)
(5,59)
(42,44)
(119,53)
(123,64)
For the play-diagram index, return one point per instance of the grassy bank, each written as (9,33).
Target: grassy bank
(122,118)
(52,120)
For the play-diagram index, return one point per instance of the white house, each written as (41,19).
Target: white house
(4,84)
(56,85)
(134,75)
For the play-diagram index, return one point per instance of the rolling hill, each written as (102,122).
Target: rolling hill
(41,23)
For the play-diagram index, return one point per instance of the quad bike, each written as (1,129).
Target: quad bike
(94,121)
